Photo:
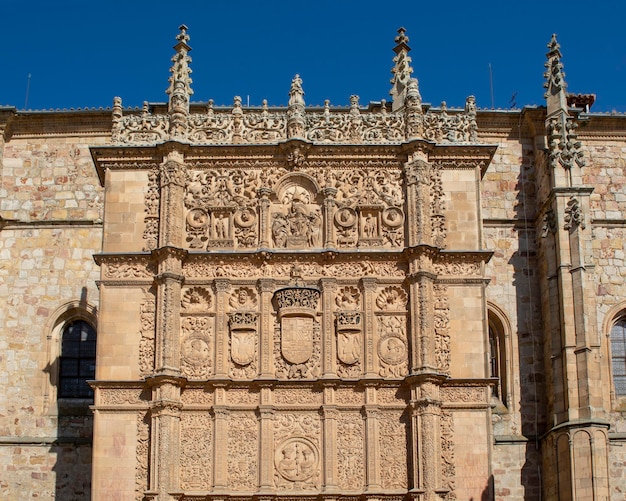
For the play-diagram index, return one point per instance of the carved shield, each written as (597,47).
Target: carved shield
(242,347)
(296,339)
(349,346)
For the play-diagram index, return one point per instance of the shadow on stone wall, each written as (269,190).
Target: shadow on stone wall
(71,450)
(529,327)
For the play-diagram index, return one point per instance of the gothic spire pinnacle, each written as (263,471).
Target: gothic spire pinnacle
(179,89)
(556,95)
(402,72)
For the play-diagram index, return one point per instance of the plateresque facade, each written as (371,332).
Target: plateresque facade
(385,302)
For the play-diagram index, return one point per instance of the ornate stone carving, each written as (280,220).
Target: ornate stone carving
(392,346)
(574,216)
(297,456)
(242,396)
(196,347)
(243,299)
(196,300)
(348,298)
(120,268)
(196,454)
(350,451)
(120,396)
(297,395)
(297,222)
(393,450)
(442,328)
(141,455)
(437,207)
(151,218)
(456,266)
(147,311)
(347,395)
(196,396)
(391,395)
(448,470)
(463,394)
(243,437)
(392,299)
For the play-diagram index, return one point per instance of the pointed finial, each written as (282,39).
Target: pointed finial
(555,85)
(401,71)
(179,89)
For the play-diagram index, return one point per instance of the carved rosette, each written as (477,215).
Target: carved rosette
(297,452)
(196,347)
(297,352)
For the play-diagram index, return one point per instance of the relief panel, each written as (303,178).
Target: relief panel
(393,450)
(351,451)
(196,451)
(243,439)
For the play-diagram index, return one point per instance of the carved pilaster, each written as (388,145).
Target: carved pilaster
(266,483)
(425,437)
(328,287)
(369,288)
(222,286)
(372,466)
(329,204)
(220,463)
(167,334)
(165,443)
(266,288)
(418,175)
(173,177)
(422,313)
(330,415)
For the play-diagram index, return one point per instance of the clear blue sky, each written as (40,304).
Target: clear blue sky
(83,53)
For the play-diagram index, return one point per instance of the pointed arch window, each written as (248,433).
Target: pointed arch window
(618,356)
(77,363)
(497,358)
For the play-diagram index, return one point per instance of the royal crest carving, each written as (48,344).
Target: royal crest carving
(348,298)
(243,344)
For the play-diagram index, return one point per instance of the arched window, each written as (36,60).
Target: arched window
(497,357)
(618,356)
(77,362)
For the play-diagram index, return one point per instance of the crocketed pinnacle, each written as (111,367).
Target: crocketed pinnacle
(555,85)
(180,80)
(402,71)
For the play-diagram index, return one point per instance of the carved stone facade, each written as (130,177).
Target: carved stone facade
(382,302)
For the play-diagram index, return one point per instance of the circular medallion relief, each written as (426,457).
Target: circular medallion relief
(296,459)
(245,218)
(197,218)
(392,350)
(393,217)
(345,217)
(195,350)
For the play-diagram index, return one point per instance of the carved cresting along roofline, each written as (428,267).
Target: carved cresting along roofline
(405,120)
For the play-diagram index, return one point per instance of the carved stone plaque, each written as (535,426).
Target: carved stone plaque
(296,339)
(296,459)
